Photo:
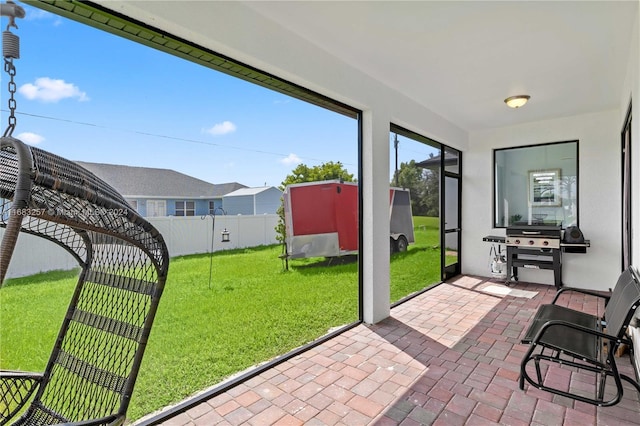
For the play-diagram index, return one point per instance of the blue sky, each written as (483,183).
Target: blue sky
(88,95)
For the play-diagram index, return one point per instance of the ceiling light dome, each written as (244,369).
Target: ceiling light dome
(517,101)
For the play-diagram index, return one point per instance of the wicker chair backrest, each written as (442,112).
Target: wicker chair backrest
(124,262)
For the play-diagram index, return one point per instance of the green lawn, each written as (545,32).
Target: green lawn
(253,311)
(419,266)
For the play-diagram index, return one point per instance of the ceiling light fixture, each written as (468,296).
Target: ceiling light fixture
(517,101)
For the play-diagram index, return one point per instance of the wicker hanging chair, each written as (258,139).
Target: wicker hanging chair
(92,369)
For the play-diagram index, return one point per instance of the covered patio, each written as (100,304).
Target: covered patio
(449,356)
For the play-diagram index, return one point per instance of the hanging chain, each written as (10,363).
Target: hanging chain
(11,70)
(11,51)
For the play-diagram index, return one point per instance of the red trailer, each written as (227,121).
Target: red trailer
(321,219)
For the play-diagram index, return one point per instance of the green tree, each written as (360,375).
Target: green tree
(431,196)
(303,173)
(423,185)
(325,171)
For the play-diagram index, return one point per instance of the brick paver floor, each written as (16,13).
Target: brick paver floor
(449,356)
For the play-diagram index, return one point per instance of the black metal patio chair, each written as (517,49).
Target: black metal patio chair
(586,342)
(92,369)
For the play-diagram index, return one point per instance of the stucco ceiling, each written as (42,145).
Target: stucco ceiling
(462,59)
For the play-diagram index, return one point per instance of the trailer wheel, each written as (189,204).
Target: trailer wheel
(402,243)
(393,248)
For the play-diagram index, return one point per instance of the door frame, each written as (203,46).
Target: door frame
(626,190)
(453,269)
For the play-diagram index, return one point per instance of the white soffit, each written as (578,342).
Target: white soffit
(461,59)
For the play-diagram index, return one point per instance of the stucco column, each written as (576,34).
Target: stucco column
(374,253)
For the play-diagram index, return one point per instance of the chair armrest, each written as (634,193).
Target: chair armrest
(580,290)
(16,387)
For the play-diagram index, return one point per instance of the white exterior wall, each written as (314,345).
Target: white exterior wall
(600,183)
(599,196)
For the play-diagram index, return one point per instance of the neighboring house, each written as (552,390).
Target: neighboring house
(162,192)
(252,201)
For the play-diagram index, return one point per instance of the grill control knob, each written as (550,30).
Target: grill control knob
(517,241)
(531,242)
(545,243)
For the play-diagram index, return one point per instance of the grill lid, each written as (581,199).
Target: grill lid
(548,231)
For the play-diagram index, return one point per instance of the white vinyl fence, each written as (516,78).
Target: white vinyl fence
(183,235)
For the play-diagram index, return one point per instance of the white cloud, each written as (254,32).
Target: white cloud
(30,138)
(291,159)
(222,128)
(37,14)
(47,89)
(34,14)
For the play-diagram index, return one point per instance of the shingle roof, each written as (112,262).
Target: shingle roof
(430,163)
(133,181)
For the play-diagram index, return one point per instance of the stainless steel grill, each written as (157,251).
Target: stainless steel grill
(536,247)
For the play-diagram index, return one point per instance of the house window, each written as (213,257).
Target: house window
(536,185)
(185,208)
(212,207)
(156,208)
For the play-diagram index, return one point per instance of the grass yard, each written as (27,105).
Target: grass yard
(419,266)
(253,311)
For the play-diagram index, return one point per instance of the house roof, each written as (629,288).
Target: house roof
(434,162)
(249,191)
(150,182)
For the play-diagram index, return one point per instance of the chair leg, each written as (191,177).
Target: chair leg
(599,391)
(523,366)
(538,371)
(600,387)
